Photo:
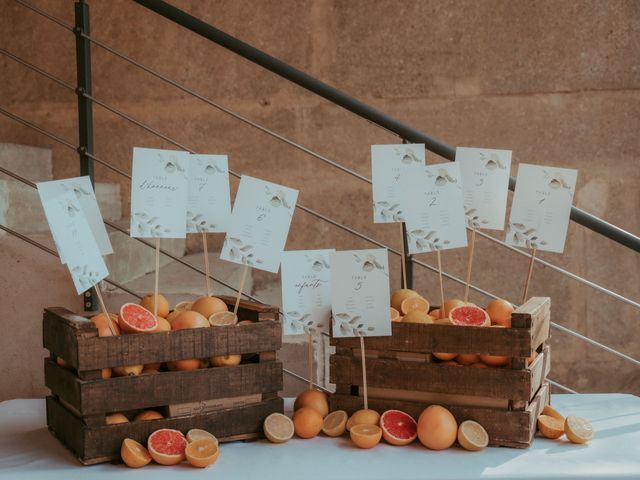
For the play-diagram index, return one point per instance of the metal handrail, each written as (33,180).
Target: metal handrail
(361,109)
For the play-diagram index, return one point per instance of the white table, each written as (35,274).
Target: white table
(29,451)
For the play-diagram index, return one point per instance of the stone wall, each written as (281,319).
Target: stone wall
(556,82)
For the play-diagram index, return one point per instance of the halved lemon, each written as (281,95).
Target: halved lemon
(198,434)
(578,429)
(335,423)
(278,428)
(472,436)
(223,319)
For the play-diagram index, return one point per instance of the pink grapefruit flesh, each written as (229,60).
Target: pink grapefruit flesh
(167,446)
(136,319)
(469,316)
(398,428)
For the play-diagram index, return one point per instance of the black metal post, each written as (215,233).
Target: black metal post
(408,264)
(85,108)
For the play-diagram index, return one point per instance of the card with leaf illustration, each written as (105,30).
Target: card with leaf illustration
(208,201)
(393,169)
(74,240)
(360,295)
(159,188)
(541,207)
(306,291)
(435,217)
(260,221)
(485,182)
(83,190)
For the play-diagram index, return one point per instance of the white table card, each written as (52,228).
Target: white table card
(83,190)
(74,240)
(260,222)
(159,186)
(541,207)
(485,182)
(360,293)
(393,168)
(436,220)
(208,201)
(306,291)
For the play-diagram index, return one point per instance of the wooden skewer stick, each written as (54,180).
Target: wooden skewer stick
(206,262)
(242,280)
(103,307)
(310,360)
(364,374)
(469,264)
(402,258)
(155,289)
(526,285)
(441,286)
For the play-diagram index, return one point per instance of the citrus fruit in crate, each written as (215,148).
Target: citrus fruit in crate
(202,453)
(452,363)
(207,306)
(417,316)
(307,422)
(167,446)
(500,312)
(147,415)
(199,434)
(335,424)
(550,427)
(184,365)
(364,416)
(472,436)
(128,371)
(163,325)
(414,303)
(469,316)
(225,360)
(133,454)
(450,304)
(163,305)
(395,315)
(445,357)
(578,430)
(467,358)
(437,428)
(313,399)
(115,418)
(398,428)
(136,319)
(189,319)
(102,324)
(223,319)
(180,306)
(365,436)
(278,428)
(399,296)
(479,365)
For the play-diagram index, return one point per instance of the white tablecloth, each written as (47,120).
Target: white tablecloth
(29,451)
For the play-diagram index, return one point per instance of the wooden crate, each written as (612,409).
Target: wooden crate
(402,374)
(231,402)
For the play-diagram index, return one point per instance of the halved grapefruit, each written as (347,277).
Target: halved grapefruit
(136,319)
(398,428)
(166,446)
(470,316)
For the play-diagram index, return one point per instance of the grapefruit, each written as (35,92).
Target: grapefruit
(115,418)
(148,302)
(167,446)
(437,428)
(472,436)
(186,305)
(313,399)
(173,315)
(163,325)
(225,360)
(307,422)
(445,357)
(417,316)
(128,371)
(478,365)
(467,358)
(500,312)
(133,454)
(550,427)
(450,304)
(435,313)
(452,363)
(365,436)
(184,365)
(578,430)
(398,428)
(399,296)
(189,319)
(102,324)
(470,316)
(198,434)
(207,306)
(147,415)
(414,303)
(202,453)
(364,416)
(223,319)
(335,423)
(278,428)
(136,319)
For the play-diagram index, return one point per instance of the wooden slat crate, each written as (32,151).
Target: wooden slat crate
(231,402)
(402,374)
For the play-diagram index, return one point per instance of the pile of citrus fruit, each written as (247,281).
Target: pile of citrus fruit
(552,424)
(170,447)
(436,427)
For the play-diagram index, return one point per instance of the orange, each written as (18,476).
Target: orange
(552,412)
(202,453)
(472,436)
(550,427)
(278,428)
(207,306)
(147,415)
(114,418)
(417,316)
(106,373)
(335,423)
(452,363)
(184,365)
(450,304)
(495,360)
(365,436)
(313,399)
(101,323)
(189,319)
(414,303)
(226,360)
(198,434)
(578,430)
(479,365)
(163,325)
(163,305)
(133,454)
(128,371)
(173,315)
(395,315)
(307,422)
(185,305)
(445,357)
(364,416)
(437,428)
(500,312)
(151,367)
(467,358)
(435,313)
(398,297)
(245,322)
(223,319)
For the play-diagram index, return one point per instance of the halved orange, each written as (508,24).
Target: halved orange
(365,436)
(550,427)
(414,303)
(202,453)
(134,454)
(335,423)
(278,428)
(395,315)
(552,412)
(578,429)
(223,319)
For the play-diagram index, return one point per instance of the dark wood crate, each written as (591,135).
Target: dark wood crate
(81,397)
(402,373)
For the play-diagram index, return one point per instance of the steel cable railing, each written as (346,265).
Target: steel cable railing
(346,228)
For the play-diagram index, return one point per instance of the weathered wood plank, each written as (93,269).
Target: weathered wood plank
(101,444)
(246,307)
(502,383)
(162,388)
(531,312)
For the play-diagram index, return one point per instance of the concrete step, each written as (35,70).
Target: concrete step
(32,163)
